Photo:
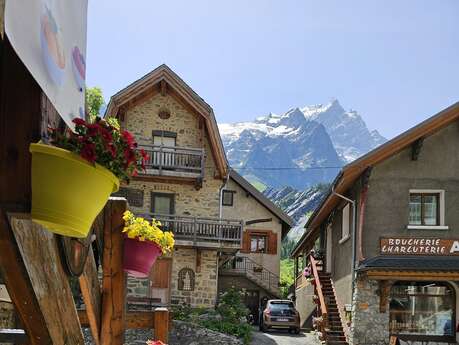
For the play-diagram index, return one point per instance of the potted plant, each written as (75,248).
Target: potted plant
(73,177)
(143,243)
(153,342)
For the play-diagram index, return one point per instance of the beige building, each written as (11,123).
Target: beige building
(185,181)
(256,267)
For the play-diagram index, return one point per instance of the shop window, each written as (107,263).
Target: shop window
(258,243)
(423,311)
(345,223)
(426,208)
(186,279)
(228,198)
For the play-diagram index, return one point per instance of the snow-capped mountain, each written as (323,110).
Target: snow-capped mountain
(297,204)
(301,148)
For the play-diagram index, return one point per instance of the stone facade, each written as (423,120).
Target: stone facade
(369,325)
(205,289)
(142,120)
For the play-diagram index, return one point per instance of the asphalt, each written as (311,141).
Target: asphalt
(283,337)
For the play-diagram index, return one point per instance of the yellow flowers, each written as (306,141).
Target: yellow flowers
(143,230)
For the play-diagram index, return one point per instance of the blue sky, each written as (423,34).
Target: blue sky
(396,62)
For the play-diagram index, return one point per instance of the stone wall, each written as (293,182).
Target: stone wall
(205,289)
(369,326)
(182,333)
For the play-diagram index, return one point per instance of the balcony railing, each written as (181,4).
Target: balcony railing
(199,231)
(174,161)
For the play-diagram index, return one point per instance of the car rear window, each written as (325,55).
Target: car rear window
(274,306)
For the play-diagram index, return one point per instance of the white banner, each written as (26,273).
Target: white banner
(50,38)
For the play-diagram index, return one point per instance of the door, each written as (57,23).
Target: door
(166,158)
(160,277)
(252,302)
(329,249)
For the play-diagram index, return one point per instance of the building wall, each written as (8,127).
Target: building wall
(304,302)
(369,326)
(387,207)
(141,120)
(248,208)
(205,290)
(228,282)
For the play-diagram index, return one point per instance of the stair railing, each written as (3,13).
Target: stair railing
(244,265)
(321,307)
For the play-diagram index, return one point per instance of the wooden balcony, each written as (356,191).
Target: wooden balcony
(203,232)
(174,161)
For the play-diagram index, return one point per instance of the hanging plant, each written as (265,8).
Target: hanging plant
(144,242)
(105,143)
(73,177)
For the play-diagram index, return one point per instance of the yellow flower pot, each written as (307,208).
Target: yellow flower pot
(67,191)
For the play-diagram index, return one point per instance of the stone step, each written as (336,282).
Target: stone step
(336,338)
(337,343)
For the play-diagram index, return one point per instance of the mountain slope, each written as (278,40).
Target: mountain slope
(300,148)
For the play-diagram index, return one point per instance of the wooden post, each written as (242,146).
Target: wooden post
(161,326)
(114,280)
(40,254)
(90,289)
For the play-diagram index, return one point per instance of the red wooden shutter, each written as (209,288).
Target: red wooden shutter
(245,242)
(272,243)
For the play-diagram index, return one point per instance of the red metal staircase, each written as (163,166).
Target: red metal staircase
(329,322)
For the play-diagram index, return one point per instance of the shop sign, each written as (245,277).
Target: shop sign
(419,246)
(49,37)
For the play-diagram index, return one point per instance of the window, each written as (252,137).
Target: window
(426,209)
(162,203)
(422,310)
(165,142)
(345,223)
(228,198)
(186,279)
(258,243)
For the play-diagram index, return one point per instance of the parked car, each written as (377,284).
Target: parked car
(280,314)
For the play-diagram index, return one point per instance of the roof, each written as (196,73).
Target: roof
(352,171)
(153,82)
(249,188)
(411,263)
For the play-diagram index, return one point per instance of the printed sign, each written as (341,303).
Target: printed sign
(419,246)
(49,36)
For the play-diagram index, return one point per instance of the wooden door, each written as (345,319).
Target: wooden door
(160,277)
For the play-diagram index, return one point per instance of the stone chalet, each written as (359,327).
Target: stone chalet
(226,232)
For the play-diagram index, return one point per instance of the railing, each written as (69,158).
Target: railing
(322,307)
(199,229)
(248,267)
(173,160)
(300,280)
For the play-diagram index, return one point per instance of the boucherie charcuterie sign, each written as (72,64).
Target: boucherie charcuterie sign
(419,246)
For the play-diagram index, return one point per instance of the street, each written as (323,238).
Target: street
(282,337)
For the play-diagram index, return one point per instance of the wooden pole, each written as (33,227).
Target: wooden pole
(161,325)
(114,280)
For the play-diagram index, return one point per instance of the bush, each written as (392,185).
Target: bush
(229,317)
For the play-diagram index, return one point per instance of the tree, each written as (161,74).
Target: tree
(94,101)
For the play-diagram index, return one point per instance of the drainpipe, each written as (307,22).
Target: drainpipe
(354,234)
(220,208)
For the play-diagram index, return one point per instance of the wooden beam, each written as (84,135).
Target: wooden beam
(413,275)
(133,319)
(114,280)
(40,252)
(384,292)
(19,286)
(90,289)
(416,149)
(161,325)
(163,86)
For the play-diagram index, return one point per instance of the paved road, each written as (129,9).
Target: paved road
(281,337)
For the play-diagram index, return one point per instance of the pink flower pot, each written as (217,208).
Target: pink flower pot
(139,257)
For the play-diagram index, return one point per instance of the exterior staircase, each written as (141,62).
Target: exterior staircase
(259,275)
(330,324)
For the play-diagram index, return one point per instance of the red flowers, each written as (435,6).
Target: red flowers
(103,142)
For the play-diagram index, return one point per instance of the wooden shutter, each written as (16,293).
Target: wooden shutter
(160,273)
(272,243)
(245,242)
